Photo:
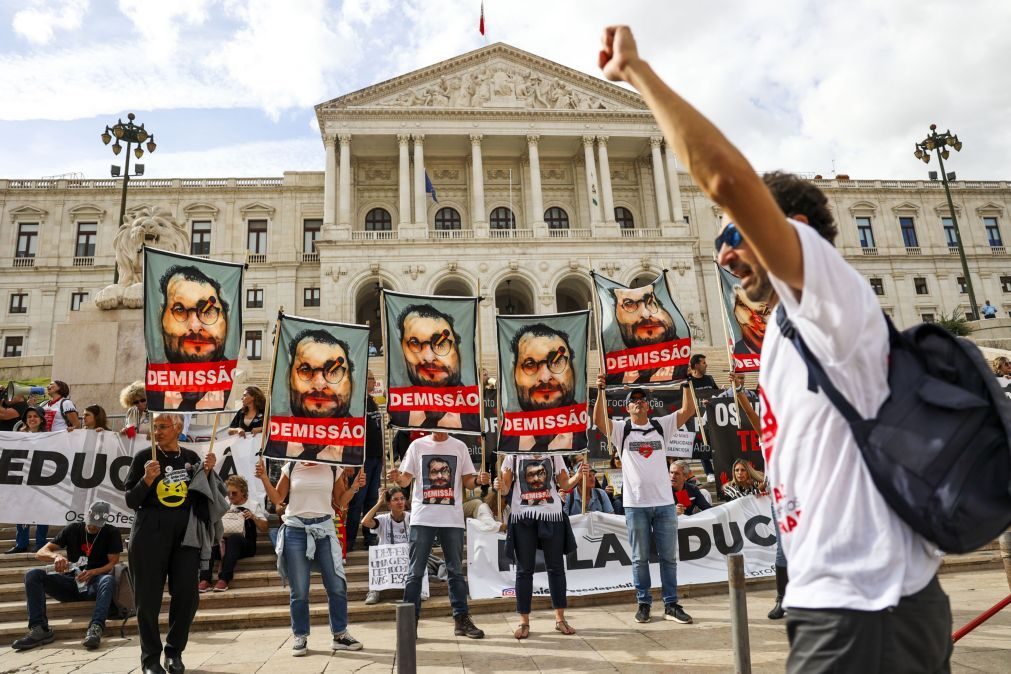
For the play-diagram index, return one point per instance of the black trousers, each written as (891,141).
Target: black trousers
(914,636)
(156,554)
(528,536)
(236,548)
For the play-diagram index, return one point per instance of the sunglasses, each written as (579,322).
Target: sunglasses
(729,236)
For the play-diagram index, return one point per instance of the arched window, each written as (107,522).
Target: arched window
(447,218)
(556,218)
(378,220)
(502,218)
(624,218)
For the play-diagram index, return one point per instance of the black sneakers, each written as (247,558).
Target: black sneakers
(642,615)
(677,614)
(345,642)
(37,636)
(777,611)
(465,627)
(93,637)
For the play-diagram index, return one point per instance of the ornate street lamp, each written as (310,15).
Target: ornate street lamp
(133,135)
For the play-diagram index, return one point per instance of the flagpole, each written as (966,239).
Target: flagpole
(479,365)
(595,307)
(729,337)
(386,360)
(270,382)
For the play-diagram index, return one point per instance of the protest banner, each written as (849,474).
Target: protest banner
(388,567)
(52,478)
(744,322)
(192,331)
(603,559)
(317,392)
(645,338)
(542,387)
(731,438)
(431,362)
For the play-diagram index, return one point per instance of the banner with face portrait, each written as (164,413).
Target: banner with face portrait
(732,438)
(192,331)
(745,322)
(646,340)
(317,396)
(542,387)
(431,362)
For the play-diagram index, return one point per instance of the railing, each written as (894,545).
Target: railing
(451,234)
(914,250)
(23,262)
(310,257)
(257,258)
(511,233)
(869,250)
(641,233)
(570,233)
(49,184)
(258,182)
(84,261)
(370,235)
(952,250)
(998,250)
(91,184)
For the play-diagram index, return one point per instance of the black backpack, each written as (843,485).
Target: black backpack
(627,430)
(939,449)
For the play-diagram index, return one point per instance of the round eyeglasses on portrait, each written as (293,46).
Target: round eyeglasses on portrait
(333,371)
(441,343)
(207,311)
(648,301)
(556,362)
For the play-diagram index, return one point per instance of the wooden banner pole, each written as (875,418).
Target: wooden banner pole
(270,382)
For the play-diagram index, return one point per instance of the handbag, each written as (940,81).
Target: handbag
(233,523)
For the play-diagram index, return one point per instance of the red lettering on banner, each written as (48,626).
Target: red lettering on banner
(191,377)
(769,427)
(749,441)
(459,399)
(439,493)
(570,419)
(747,362)
(534,495)
(345,431)
(665,354)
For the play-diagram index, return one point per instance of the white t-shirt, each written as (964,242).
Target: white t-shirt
(847,549)
(438,469)
(391,532)
(540,500)
(645,480)
(54,413)
(254,507)
(310,488)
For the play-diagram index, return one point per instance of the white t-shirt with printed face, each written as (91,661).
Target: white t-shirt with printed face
(438,469)
(847,548)
(645,480)
(535,488)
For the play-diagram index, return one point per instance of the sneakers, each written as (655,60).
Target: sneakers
(300,647)
(221,586)
(372,597)
(93,637)
(203,586)
(642,615)
(37,636)
(677,614)
(16,551)
(345,642)
(710,478)
(777,611)
(465,627)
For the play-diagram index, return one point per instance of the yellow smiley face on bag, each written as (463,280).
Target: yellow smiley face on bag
(172,494)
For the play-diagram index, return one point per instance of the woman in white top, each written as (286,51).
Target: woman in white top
(308,535)
(536,521)
(237,546)
(390,528)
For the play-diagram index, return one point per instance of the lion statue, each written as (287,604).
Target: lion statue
(155,227)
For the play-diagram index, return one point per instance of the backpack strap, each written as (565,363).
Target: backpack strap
(625,431)
(816,374)
(64,414)
(658,428)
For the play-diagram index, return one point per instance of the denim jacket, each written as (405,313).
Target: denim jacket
(313,532)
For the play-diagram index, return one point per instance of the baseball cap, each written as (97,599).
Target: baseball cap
(98,513)
(640,392)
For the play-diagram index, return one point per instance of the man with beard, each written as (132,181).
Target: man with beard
(545,378)
(535,477)
(440,482)
(642,321)
(320,382)
(751,316)
(194,326)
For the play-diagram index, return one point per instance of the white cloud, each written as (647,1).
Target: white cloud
(40,22)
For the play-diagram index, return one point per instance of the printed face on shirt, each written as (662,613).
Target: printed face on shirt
(194,323)
(534,483)
(641,319)
(439,473)
(535,475)
(543,373)
(319,382)
(438,480)
(431,353)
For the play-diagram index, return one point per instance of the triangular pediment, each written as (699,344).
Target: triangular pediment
(497,77)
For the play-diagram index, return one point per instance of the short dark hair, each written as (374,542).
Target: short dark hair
(62,387)
(540,330)
(696,358)
(425,311)
(190,273)
(797,196)
(323,337)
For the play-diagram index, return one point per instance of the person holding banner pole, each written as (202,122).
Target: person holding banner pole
(33,421)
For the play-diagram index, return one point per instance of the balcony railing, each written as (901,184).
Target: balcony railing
(570,233)
(998,250)
(368,235)
(257,258)
(23,262)
(87,261)
(914,250)
(869,250)
(451,234)
(511,233)
(641,233)
(310,257)
(952,250)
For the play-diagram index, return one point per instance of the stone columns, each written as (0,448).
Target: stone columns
(404,182)
(344,206)
(328,232)
(536,194)
(479,219)
(662,211)
(420,197)
(605,180)
(678,225)
(592,195)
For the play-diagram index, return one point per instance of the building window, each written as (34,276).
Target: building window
(257,242)
(19,303)
(927,318)
(254,344)
(556,218)
(200,240)
(865,233)
(962,288)
(909,239)
(254,298)
(949,232)
(87,235)
(76,300)
(447,218)
(1005,284)
(920,284)
(310,234)
(878,286)
(502,218)
(624,218)
(28,238)
(378,220)
(992,232)
(310,297)
(13,346)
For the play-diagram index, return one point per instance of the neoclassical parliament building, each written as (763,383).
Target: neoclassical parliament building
(536,171)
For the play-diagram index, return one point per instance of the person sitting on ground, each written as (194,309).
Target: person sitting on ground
(98,544)
(487,512)
(688,497)
(133,398)
(598,501)
(249,418)
(694,481)
(390,528)
(95,418)
(746,481)
(34,421)
(235,546)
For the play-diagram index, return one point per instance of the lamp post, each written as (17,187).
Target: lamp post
(132,134)
(937,142)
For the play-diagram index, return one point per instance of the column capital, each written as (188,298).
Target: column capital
(588,141)
(475,138)
(602,141)
(344,138)
(533,139)
(655,142)
(403,138)
(418,137)
(329,139)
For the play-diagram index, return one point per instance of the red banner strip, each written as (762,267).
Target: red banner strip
(459,399)
(570,419)
(665,354)
(346,431)
(747,362)
(191,377)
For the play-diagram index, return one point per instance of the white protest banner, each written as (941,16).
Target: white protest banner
(681,444)
(52,478)
(603,559)
(388,567)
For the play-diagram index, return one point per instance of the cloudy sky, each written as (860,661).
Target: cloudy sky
(228,85)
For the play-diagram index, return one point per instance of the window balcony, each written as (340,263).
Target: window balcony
(570,233)
(641,233)
(312,258)
(998,250)
(374,235)
(869,250)
(450,234)
(511,233)
(87,261)
(257,258)
(952,250)
(914,250)
(23,262)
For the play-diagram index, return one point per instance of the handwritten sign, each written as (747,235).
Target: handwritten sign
(388,567)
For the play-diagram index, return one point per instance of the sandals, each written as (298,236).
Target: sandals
(522,632)
(564,627)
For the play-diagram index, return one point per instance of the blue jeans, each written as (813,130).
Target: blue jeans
(659,525)
(298,578)
(422,539)
(41,534)
(363,501)
(61,587)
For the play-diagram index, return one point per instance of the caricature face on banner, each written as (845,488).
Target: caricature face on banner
(317,404)
(542,361)
(431,361)
(438,477)
(192,330)
(535,478)
(747,317)
(646,339)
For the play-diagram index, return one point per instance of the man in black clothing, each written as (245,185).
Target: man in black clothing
(687,495)
(158,489)
(11,412)
(367,496)
(698,378)
(99,545)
